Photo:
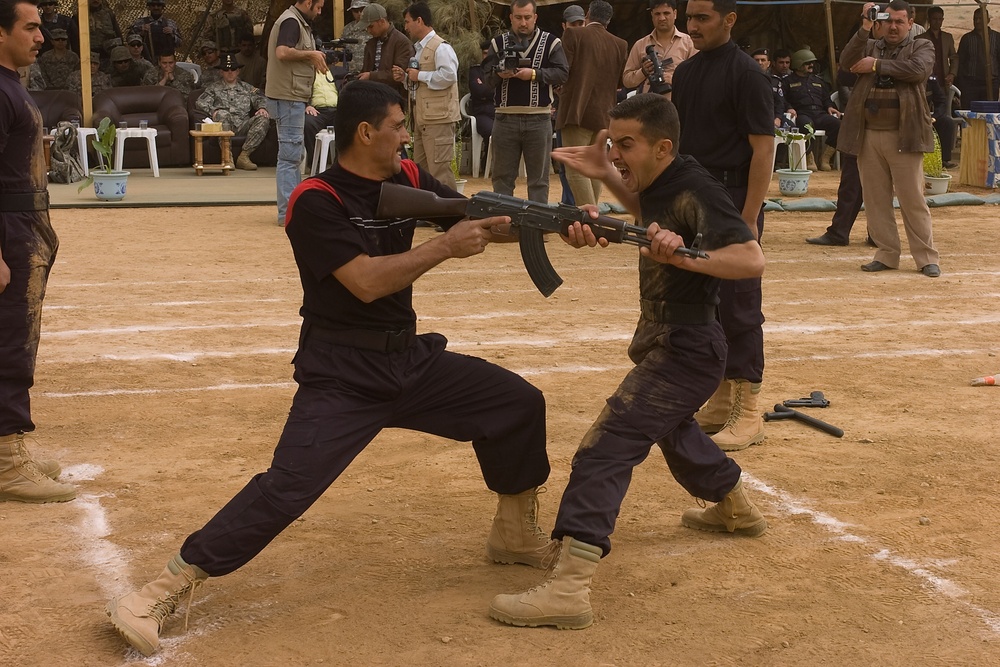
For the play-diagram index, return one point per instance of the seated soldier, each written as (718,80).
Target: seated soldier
(58,63)
(170,75)
(238,106)
(98,80)
(135,47)
(125,70)
(209,64)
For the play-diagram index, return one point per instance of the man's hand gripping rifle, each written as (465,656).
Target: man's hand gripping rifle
(531,220)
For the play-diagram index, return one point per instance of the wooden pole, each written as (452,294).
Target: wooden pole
(86,84)
(473,17)
(832,48)
(988,51)
(338,17)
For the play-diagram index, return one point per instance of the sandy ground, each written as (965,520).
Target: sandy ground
(164,379)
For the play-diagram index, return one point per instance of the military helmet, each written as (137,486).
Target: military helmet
(800,58)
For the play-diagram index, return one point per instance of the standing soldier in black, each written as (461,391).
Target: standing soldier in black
(727,123)
(27,250)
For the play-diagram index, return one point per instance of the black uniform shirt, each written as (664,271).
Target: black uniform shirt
(688,200)
(326,234)
(722,96)
(21,157)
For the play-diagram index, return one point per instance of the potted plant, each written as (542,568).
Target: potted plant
(109,184)
(794,181)
(936,179)
(456,160)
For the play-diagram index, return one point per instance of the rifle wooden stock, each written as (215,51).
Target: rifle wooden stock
(532,219)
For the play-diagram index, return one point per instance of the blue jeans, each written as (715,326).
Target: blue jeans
(290,118)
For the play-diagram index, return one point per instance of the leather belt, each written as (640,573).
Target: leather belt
(677,313)
(17,202)
(731,178)
(378,341)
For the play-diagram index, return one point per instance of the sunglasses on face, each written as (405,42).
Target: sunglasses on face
(60,39)
(121,62)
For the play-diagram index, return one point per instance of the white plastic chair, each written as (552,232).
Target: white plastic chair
(194,68)
(477,141)
(321,151)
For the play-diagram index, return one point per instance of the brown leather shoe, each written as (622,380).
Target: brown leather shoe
(875,265)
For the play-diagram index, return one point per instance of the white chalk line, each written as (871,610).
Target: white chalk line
(166,304)
(168,390)
(949,589)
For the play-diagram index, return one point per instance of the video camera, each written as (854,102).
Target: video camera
(657,82)
(511,60)
(336,51)
(875,13)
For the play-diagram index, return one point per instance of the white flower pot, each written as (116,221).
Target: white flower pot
(936,185)
(110,186)
(793,182)
(460,185)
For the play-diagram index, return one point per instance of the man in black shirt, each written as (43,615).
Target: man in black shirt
(361,368)
(727,123)
(28,245)
(679,350)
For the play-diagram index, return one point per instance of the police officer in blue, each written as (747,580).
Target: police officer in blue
(777,88)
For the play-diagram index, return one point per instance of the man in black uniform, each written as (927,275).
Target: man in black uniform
(727,124)
(679,350)
(809,95)
(27,250)
(361,368)
(777,87)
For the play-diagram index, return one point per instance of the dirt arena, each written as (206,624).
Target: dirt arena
(164,379)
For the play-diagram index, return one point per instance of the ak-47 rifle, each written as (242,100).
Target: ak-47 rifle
(531,219)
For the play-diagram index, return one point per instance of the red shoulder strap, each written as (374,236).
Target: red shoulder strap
(412,172)
(305,186)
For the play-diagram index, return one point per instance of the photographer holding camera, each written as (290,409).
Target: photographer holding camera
(670,45)
(888,126)
(522,66)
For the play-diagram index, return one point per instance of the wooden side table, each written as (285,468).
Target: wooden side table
(225,138)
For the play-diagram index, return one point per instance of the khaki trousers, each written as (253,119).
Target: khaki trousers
(434,149)
(585,190)
(885,169)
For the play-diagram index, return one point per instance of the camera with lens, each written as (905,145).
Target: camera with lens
(875,13)
(884,81)
(657,81)
(336,51)
(511,60)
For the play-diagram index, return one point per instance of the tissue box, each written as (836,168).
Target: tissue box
(208,127)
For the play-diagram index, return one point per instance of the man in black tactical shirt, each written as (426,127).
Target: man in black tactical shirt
(362,368)
(679,350)
(727,123)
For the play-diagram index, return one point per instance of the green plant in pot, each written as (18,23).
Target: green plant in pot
(794,181)
(109,184)
(936,179)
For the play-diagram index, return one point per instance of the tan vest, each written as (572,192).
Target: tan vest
(435,107)
(290,80)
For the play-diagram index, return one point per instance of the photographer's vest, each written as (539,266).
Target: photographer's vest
(290,80)
(516,96)
(434,107)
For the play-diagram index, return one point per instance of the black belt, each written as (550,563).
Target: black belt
(379,341)
(17,202)
(677,313)
(731,178)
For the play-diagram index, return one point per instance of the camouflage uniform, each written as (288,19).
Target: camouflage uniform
(104,31)
(230,25)
(148,69)
(98,82)
(254,69)
(209,75)
(133,76)
(162,43)
(234,106)
(36,80)
(354,30)
(57,67)
(183,80)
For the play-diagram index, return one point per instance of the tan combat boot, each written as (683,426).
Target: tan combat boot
(243,162)
(22,479)
(811,162)
(515,536)
(829,156)
(735,513)
(139,616)
(563,600)
(715,413)
(745,425)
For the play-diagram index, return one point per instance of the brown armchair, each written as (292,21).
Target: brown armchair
(265,155)
(57,106)
(162,107)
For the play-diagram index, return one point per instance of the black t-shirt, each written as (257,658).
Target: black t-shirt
(22,165)
(326,234)
(288,33)
(722,97)
(687,200)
